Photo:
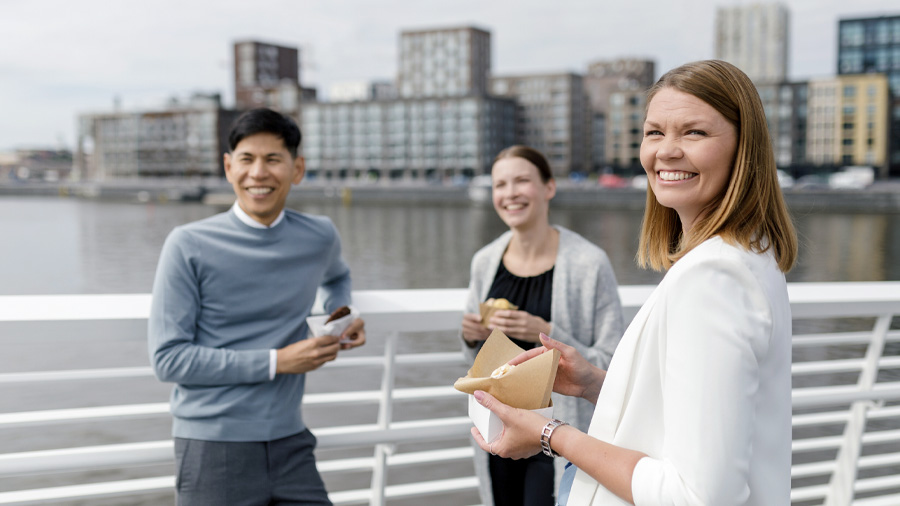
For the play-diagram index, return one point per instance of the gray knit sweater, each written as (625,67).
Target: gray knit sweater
(585,313)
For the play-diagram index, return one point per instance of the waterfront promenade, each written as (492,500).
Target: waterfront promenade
(883,196)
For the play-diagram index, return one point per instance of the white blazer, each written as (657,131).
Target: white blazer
(701,383)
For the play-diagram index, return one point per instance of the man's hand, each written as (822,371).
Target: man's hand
(355,333)
(519,324)
(307,355)
(472,329)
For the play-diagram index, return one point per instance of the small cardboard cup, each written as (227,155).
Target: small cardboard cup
(526,386)
(318,327)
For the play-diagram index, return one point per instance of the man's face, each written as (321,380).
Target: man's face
(261,170)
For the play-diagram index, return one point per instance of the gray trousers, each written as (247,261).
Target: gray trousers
(280,472)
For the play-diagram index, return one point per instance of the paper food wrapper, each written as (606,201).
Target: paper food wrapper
(488,310)
(318,327)
(527,386)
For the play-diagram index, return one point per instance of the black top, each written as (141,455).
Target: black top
(532,294)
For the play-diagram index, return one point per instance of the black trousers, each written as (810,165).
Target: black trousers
(280,472)
(525,482)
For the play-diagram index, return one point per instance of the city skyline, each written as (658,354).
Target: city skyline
(81,58)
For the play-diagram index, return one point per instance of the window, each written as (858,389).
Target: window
(849,91)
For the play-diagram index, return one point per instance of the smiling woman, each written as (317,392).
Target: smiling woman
(563,286)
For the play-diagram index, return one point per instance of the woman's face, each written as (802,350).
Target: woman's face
(688,152)
(520,197)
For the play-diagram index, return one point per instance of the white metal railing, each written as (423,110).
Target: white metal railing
(838,454)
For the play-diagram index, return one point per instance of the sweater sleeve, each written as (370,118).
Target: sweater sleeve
(607,328)
(476,281)
(717,324)
(172,327)
(336,287)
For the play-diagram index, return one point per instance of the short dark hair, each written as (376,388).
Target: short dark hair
(532,155)
(263,120)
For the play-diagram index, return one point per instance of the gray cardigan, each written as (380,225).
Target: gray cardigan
(585,313)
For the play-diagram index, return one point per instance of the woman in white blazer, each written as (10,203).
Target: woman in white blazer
(695,408)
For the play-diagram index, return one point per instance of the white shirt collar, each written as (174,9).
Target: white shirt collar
(250,222)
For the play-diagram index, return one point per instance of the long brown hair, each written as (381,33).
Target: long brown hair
(751,210)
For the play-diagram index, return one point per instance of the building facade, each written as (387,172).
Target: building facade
(848,121)
(625,129)
(872,45)
(446,62)
(785,105)
(183,140)
(754,38)
(267,75)
(553,117)
(412,139)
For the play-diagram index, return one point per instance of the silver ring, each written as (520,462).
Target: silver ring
(491,449)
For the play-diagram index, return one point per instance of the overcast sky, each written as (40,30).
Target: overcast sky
(59,58)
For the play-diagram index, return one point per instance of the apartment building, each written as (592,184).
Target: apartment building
(183,139)
(553,117)
(872,45)
(785,105)
(755,38)
(444,62)
(413,139)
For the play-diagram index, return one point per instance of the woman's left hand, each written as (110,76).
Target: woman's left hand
(521,436)
(520,325)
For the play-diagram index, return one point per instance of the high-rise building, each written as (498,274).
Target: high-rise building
(754,38)
(267,75)
(447,62)
(872,45)
(552,117)
(625,128)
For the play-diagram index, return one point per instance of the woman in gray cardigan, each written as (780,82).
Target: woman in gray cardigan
(564,287)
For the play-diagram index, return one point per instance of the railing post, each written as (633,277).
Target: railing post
(385,414)
(841,487)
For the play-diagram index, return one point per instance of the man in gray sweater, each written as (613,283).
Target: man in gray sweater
(228,326)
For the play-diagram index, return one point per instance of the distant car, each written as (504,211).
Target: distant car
(612,181)
(639,182)
(811,182)
(785,180)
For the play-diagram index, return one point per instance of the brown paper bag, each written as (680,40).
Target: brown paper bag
(488,310)
(527,386)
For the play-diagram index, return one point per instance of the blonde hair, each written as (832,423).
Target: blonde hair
(751,210)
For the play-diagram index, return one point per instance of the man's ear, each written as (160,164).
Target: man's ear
(227,162)
(299,169)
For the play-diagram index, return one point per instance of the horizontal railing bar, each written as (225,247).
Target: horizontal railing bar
(396,460)
(838,366)
(160,452)
(443,358)
(833,417)
(167,483)
(843,394)
(832,442)
(882,500)
(827,467)
(839,338)
(808,300)
(55,416)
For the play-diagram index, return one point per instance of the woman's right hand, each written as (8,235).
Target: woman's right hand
(575,376)
(472,329)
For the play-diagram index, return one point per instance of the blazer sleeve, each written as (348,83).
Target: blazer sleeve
(476,281)
(717,324)
(172,327)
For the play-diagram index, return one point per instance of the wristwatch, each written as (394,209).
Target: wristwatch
(546,432)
